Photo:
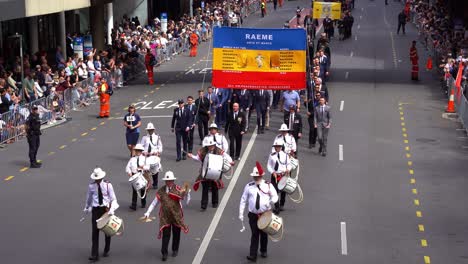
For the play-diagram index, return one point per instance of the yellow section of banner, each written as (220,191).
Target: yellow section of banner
(259,60)
(324,9)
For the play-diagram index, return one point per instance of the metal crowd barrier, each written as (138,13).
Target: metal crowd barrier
(461,102)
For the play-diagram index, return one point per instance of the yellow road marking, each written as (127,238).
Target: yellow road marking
(145,95)
(118,113)
(402,118)
(94,128)
(405,135)
(406,141)
(63,146)
(407,148)
(9,178)
(151,92)
(414,191)
(400,104)
(423,243)
(157,88)
(403,129)
(418,214)
(401,113)
(24,169)
(74,140)
(125,108)
(84,134)
(421,228)
(410,163)
(408,155)
(51,153)
(413,181)
(416,202)
(102,123)
(411,172)
(403,124)
(427,260)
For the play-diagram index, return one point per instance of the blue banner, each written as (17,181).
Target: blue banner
(259,39)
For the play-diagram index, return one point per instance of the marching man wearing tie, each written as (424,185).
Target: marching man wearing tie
(259,196)
(137,164)
(322,123)
(192,109)
(279,165)
(182,121)
(99,200)
(152,147)
(294,121)
(235,128)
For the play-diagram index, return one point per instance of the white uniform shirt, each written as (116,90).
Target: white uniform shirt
(220,140)
(136,163)
(154,141)
(289,143)
(108,196)
(267,193)
(280,158)
(225,156)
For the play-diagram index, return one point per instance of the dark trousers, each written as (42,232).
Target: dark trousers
(276,98)
(166,236)
(33,141)
(282,199)
(256,234)
(96,213)
(135,197)
(202,126)
(190,140)
(235,145)
(181,137)
(312,131)
(155,179)
(261,116)
(402,27)
(214,193)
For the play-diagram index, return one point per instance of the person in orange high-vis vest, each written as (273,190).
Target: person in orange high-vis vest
(150,61)
(193,44)
(414,62)
(280,2)
(104,98)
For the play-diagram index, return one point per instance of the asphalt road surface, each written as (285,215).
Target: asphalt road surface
(391,189)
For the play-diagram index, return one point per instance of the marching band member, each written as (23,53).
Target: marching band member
(259,195)
(100,199)
(218,138)
(289,146)
(170,212)
(152,147)
(279,165)
(209,147)
(137,164)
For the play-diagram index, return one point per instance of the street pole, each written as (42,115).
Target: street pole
(191,8)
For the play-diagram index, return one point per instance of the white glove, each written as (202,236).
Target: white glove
(87,209)
(189,197)
(146,215)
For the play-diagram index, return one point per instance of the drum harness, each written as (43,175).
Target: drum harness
(278,162)
(151,142)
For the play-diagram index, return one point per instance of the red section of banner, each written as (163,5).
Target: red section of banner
(259,80)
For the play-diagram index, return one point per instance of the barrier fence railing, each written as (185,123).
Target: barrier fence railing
(461,102)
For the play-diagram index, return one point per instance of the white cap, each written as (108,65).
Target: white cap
(283,127)
(208,142)
(255,172)
(139,147)
(149,126)
(278,142)
(213,125)
(98,174)
(169,176)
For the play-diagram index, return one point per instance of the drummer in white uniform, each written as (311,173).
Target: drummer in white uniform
(289,146)
(209,147)
(153,148)
(259,195)
(137,164)
(219,139)
(279,165)
(99,200)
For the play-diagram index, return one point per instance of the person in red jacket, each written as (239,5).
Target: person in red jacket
(104,98)
(150,61)
(414,62)
(193,44)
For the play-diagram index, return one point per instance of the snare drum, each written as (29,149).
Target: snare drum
(270,223)
(226,165)
(110,224)
(154,163)
(294,163)
(212,167)
(287,185)
(139,182)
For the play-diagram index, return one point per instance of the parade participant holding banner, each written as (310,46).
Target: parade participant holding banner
(99,201)
(132,122)
(289,146)
(259,196)
(136,165)
(279,165)
(153,148)
(171,214)
(219,139)
(211,171)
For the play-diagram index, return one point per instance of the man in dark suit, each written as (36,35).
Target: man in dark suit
(193,111)
(311,104)
(261,101)
(235,128)
(182,121)
(294,122)
(322,121)
(202,114)
(324,64)
(213,99)
(244,99)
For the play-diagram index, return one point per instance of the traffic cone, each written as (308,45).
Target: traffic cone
(429,63)
(451,102)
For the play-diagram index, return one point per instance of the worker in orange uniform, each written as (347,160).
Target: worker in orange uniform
(414,62)
(104,93)
(280,3)
(150,61)
(263,8)
(193,44)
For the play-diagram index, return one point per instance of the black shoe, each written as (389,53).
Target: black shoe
(105,254)
(203,209)
(133,207)
(35,166)
(281,208)
(93,258)
(236,158)
(98,117)
(184,157)
(252,258)
(155,187)
(320,150)
(324,153)
(263,254)
(177,160)
(164,257)
(175,253)
(215,205)
(310,146)
(143,206)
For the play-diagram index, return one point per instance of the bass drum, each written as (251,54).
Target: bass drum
(212,167)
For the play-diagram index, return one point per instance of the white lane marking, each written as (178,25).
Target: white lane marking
(344,242)
(155,116)
(355,37)
(341,105)
(346,75)
(352,54)
(362,8)
(340,151)
(395,63)
(214,223)
(360,17)
(358,26)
